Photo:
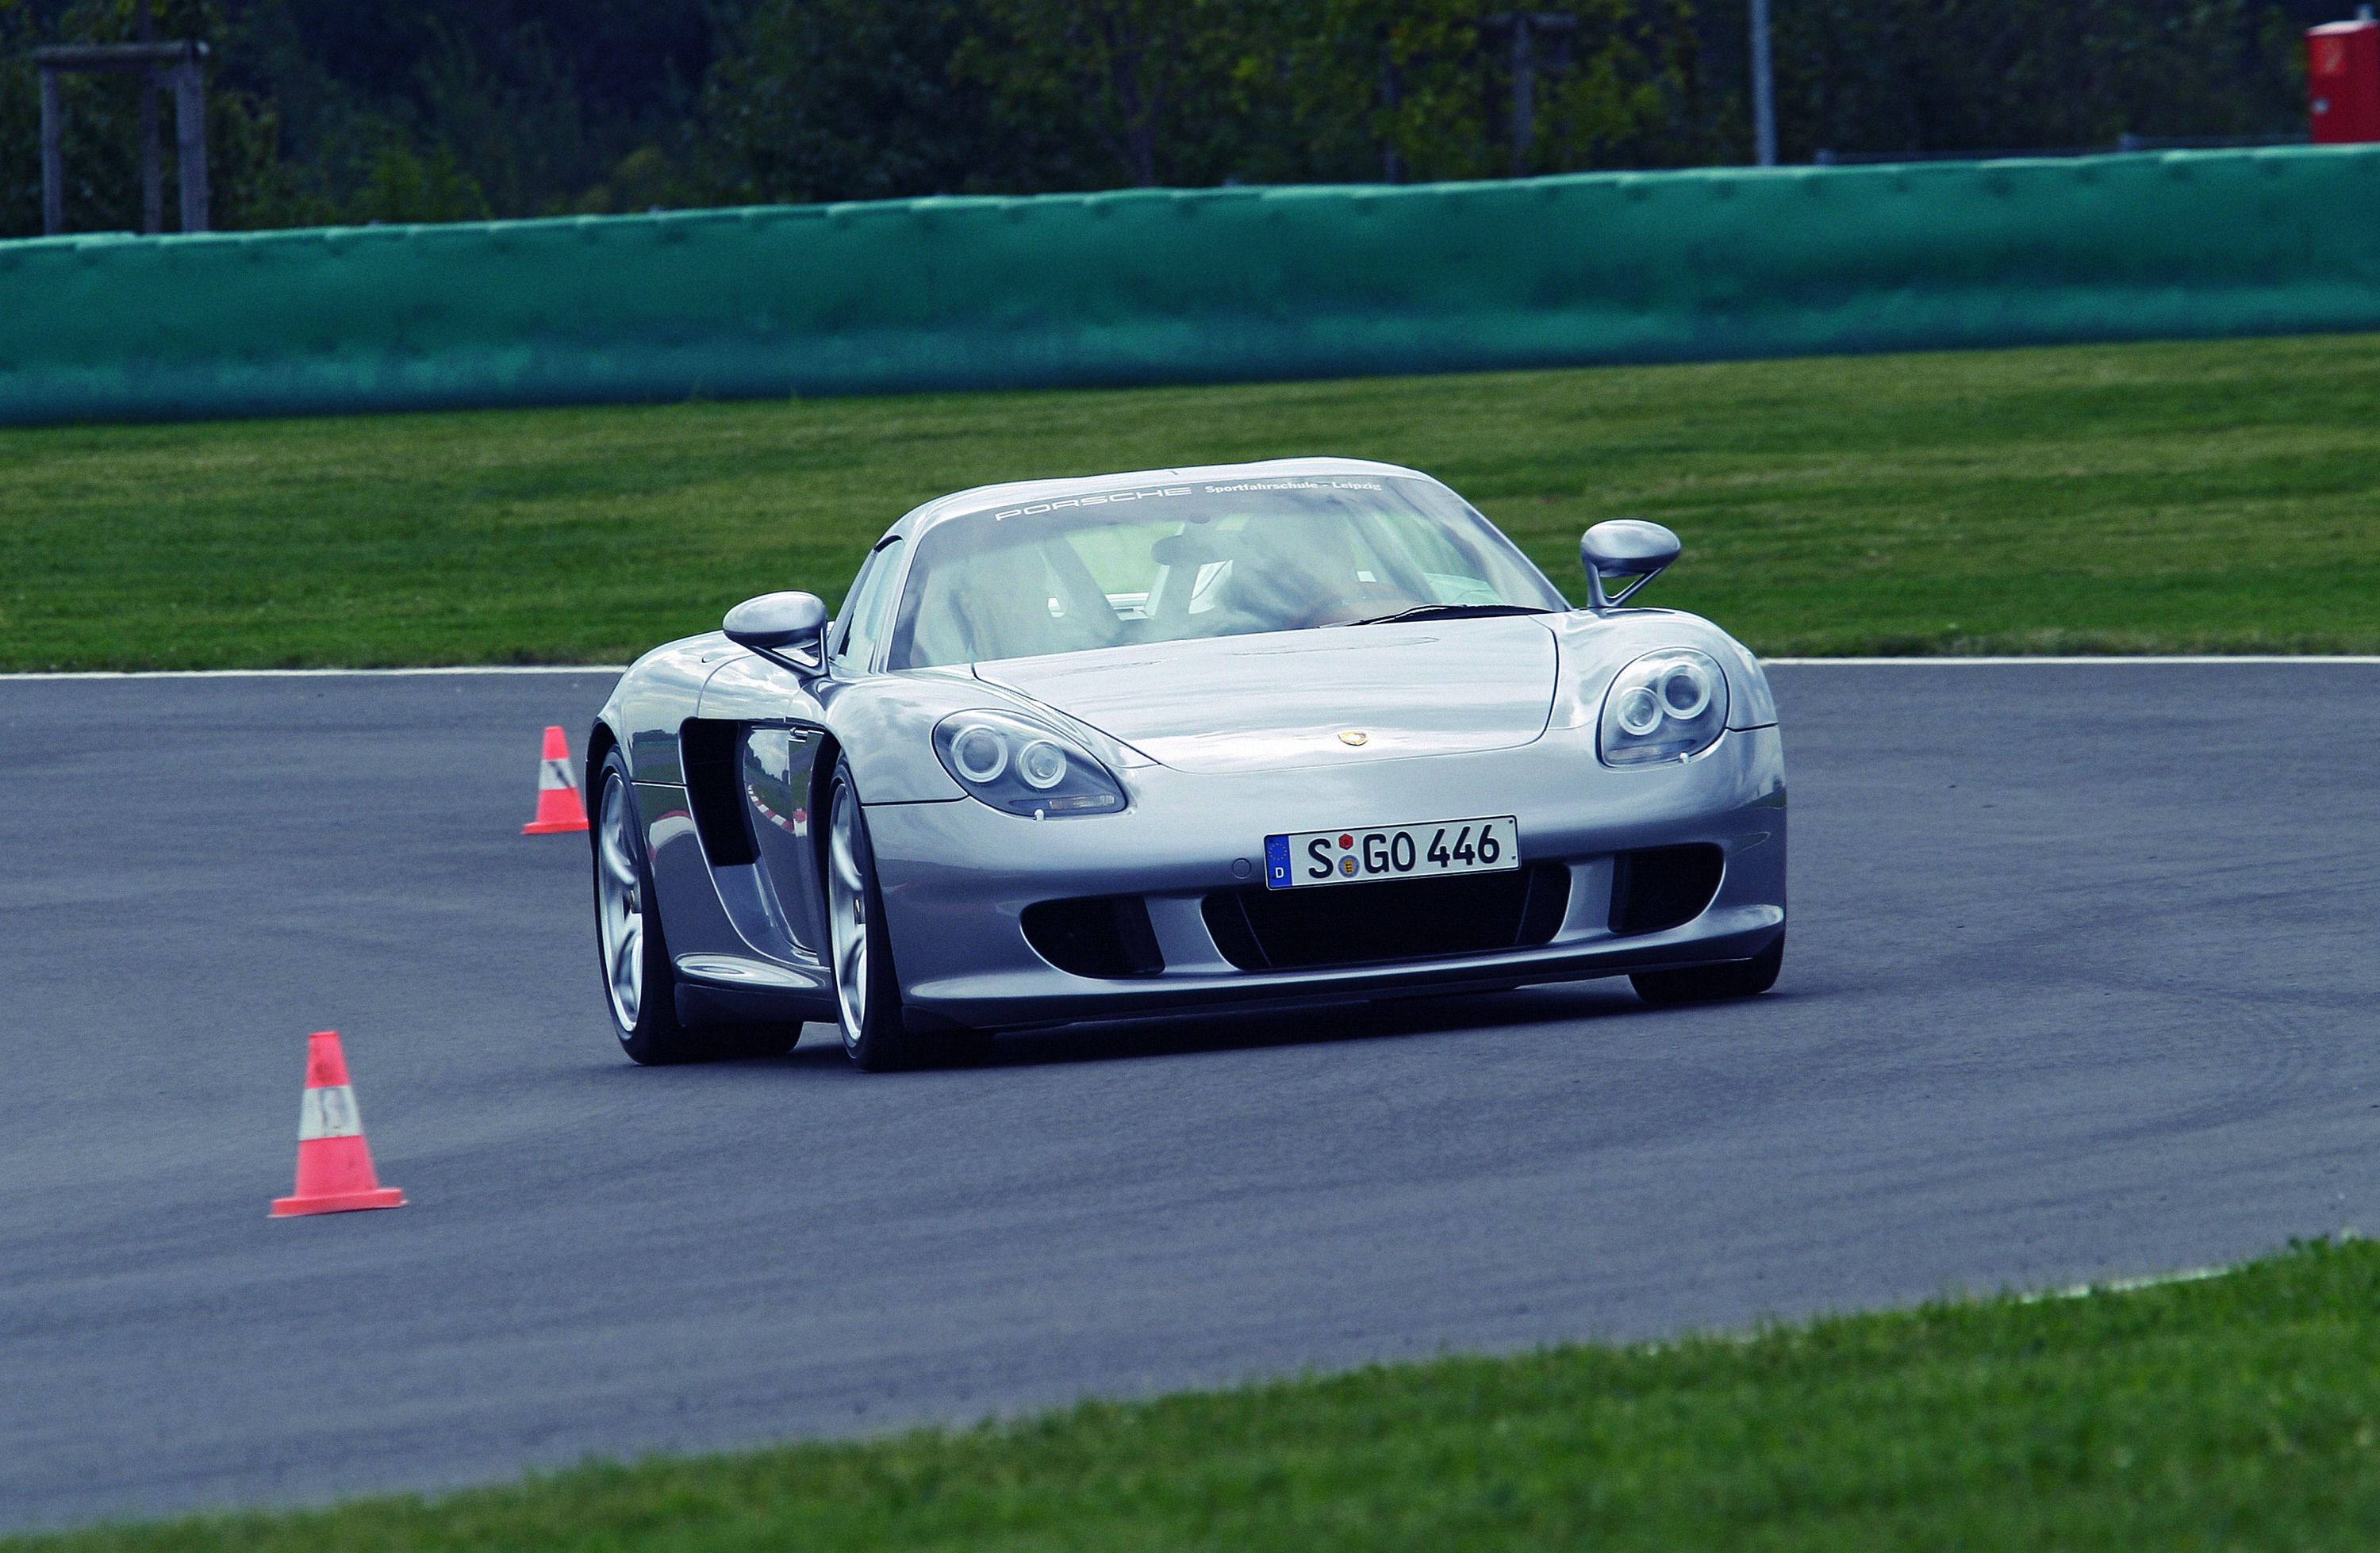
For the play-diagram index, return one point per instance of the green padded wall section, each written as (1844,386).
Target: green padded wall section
(1172,286)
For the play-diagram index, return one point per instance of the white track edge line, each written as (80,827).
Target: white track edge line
(1747,1336)
(2143,660)
(2127,1285)
(326,673)
(2148,659)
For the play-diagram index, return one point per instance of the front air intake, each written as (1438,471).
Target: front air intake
(1104,937)
(1663,887)
(1261,929)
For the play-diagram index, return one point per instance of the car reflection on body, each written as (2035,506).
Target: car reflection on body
(1239,737)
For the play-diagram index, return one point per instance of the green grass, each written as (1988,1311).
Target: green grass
(2214,497)
(2240,1411)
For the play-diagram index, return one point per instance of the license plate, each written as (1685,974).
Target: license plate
(1423,851)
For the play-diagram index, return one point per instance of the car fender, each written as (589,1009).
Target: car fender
(653,699)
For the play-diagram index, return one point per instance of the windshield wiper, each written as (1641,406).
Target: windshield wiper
(1445,612)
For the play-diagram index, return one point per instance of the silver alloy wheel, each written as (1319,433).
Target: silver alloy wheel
(846,915)
(619,910)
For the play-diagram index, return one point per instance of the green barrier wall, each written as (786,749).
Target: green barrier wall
(1167,286)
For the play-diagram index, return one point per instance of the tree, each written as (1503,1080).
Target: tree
(1150,83)
(1954,75)
(353,110)
(1619,99)
(1423,88)
(843,100)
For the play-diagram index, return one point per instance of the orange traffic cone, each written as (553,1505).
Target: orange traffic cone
(558,804)
(335,1167)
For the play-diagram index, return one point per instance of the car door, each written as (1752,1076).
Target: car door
(752,774)
(748,762)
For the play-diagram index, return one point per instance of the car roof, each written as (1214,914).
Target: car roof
(960,503)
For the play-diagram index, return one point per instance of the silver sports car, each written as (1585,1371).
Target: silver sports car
(1247,736)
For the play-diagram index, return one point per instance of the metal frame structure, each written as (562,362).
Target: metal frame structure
(1524,30)
(1764,90)
(160,65)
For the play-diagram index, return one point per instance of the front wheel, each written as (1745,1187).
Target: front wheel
(1708,984)
(867,993)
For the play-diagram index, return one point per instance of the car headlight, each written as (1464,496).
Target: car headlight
(1020,766)
(1665,706)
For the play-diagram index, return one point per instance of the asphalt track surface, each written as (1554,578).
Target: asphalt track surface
(2081,985)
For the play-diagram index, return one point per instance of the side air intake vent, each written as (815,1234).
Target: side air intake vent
(1663,887)
(707,748)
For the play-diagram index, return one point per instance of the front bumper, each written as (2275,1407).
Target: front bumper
(956,876)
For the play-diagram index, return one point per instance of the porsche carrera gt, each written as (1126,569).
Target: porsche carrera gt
(1241,737)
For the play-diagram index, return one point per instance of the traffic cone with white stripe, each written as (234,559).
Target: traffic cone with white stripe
(335,1167)
(558,807)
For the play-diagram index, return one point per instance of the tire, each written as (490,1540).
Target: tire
(1710,984)
(640,983)
(867,990)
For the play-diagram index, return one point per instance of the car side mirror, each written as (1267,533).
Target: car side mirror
(1624,548)
(787,628)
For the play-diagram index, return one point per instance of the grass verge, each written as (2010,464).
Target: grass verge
(2239,1411)
(2188,497)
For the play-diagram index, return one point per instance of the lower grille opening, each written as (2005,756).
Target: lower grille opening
(1260,929)
(1107,937)
(1663,887)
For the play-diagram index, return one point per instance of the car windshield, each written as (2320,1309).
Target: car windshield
(1206,558)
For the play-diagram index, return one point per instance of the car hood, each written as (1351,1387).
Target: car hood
(1283,699)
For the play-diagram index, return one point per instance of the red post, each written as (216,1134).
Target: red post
(2343,82)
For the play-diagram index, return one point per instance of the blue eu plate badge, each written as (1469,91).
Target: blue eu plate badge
(1276,861)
